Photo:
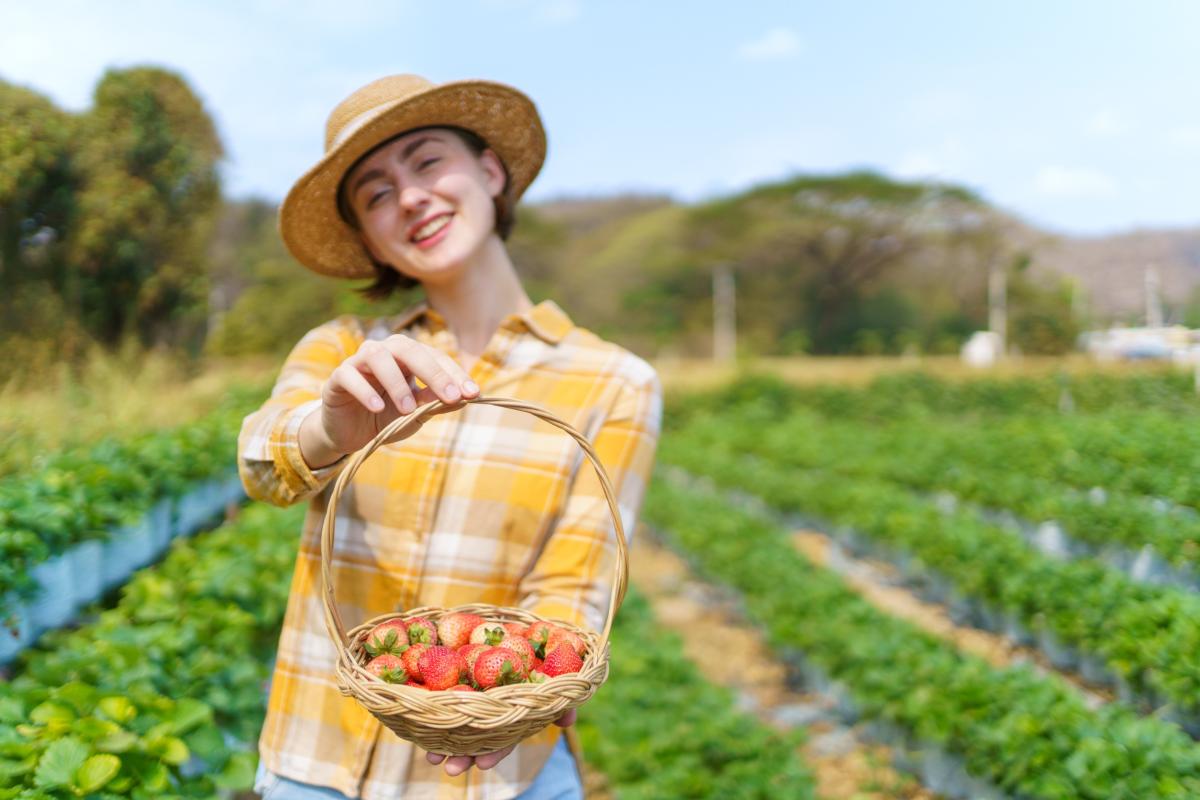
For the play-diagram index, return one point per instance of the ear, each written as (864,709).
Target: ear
(493,168)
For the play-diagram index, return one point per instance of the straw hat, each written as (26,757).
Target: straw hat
(507,120)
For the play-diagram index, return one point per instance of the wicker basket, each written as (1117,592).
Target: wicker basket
(466,723)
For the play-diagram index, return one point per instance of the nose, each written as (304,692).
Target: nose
(413,198)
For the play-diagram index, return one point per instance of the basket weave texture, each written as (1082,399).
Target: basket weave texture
(466,723)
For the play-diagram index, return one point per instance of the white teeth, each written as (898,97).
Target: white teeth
(430,228)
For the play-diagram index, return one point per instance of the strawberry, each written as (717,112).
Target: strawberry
(538,634)
(470,652)
(421,631)
(454,630)
(564,636)
(412,660)
(411,682)
(387,637)
(516,629)
(521,647)
(562,660)
(388,667)
(441,667)
(498,666)
(537,663)
(489,633)
(462,687)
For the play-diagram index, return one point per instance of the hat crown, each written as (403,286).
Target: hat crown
(369,101)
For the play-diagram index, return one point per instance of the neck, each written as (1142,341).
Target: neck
(479,299)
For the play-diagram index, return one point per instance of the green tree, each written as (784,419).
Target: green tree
(148,153)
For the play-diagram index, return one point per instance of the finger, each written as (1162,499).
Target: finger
(489,760)
(435,758)
(457,765)
(385,369)
(348,380)
(567,719)
(456,371)
(420,361)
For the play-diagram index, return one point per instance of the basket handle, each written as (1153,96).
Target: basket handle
(403,427)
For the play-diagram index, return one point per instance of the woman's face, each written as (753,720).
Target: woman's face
(424,203)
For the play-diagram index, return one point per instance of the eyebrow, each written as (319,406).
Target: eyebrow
(408,150)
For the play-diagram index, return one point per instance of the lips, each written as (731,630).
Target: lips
(412,232)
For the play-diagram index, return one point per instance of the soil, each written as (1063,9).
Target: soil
(845,767)
(878,583)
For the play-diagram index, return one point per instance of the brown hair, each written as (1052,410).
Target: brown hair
(389,280)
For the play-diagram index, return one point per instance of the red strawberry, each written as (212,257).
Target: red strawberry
(564,636)
(412,660)
(454,630)
(462,687)
(521,647)
(538,634)
(537,663)
(470,652)
(387,637)
(441,667)
(489,633)
(388,667)
(498,666)
(414,683)
(421,631)
(562,660)
(516,629)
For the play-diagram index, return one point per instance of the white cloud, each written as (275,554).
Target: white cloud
(1107,124)
(947,159)
(775,44)
(1079,182)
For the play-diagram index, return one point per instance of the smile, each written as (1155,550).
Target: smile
(432,231)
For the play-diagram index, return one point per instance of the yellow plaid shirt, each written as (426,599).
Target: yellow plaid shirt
(481,505)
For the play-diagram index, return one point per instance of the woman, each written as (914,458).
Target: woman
(417,186)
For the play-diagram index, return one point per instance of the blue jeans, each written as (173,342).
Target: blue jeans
(558,780)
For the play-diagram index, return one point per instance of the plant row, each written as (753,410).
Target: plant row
(1147,636)
(1030,735)
(162,695)
(658,729)
(92,494)
(1028,467)
(916,395)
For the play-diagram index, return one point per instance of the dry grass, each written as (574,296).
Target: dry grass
(112,393)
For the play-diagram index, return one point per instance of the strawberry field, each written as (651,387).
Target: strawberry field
(1056,515)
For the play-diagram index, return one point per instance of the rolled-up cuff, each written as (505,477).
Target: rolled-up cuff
(300,479)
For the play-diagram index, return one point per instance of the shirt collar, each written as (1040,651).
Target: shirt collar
(545,320)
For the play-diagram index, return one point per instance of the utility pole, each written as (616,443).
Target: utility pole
(724,314)
(998,303)
(1154,311)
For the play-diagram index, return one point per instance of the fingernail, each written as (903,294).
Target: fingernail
(375,404)
(471,387)
(408,405)
(452,393)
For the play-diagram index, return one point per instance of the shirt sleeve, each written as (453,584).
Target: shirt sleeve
(572,578)
(269,460)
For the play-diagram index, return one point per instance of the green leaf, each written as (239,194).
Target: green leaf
(119,741)
(96,771)
(59,763)
(189,713)
(172,750)
(117,708)
(238,774)
(51,712)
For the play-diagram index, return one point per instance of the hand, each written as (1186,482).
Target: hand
(372,388)
(457,765)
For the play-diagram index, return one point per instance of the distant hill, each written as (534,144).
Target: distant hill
(1111,270)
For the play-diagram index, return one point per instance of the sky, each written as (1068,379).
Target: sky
(1079,117)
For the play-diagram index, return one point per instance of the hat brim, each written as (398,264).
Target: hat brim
(309,223)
